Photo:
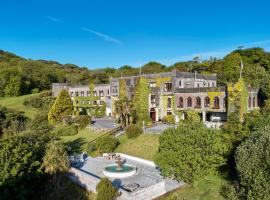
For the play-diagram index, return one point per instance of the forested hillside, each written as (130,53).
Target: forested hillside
(19,76)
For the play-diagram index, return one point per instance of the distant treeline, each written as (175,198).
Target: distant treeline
(19,76)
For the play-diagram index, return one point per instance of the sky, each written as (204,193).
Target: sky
(113,33)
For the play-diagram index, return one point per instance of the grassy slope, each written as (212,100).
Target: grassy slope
(17,103)
(79,142)
(144,146)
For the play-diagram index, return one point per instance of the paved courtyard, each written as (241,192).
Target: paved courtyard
(104,123)
(146,176)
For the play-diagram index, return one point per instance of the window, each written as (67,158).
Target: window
(153,98)
(76,93)
(198,102)
(224,102)
(152,84)
(254,101)
(95,93)
(189,102)
(169,103)
(88,93)
(249,102)
(115,89)
(213,84)
(101,93)
(198,85)
(168,87)
(108,92)
(216,103)
(180,102)
(82,93)
(180,83)
(206,102)
(71,94)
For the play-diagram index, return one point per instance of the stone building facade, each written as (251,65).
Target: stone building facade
(171,93)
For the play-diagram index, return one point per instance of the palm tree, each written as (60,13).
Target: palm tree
(55,162)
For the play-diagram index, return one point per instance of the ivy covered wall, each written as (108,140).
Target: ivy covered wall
(140,100)
(122,88)
(238,98)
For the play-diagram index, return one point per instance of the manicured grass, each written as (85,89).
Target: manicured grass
(145,146)
(79,142)
(208,188)
(17,104)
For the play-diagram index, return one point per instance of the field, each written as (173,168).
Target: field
(17,104)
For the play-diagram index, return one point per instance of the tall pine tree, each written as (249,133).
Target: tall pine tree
(61,108)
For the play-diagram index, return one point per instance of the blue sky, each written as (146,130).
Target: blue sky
(112,33)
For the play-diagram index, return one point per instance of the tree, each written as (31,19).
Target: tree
(190,152)
(55,162)
(20,161)
(124,109)
(253,165)
(105,190)
(61,108)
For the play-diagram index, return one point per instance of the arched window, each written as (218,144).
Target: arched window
(198,102)
(189,102)
(206,102)
(181,102)
(169,103)
(254,101)
(249,102)
(216,103)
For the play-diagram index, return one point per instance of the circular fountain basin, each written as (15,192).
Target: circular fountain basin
(114,171)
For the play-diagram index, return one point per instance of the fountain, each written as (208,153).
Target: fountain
(119,169)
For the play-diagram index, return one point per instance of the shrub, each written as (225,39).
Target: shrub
(34,91)
(66,130)
(42,101)
(190,152)
(133,131)
(91,147)
(253,165)
(105,190)
(168,119)
(82,121)
(106,144)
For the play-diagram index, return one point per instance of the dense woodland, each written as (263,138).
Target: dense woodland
(31,150)
(19,76)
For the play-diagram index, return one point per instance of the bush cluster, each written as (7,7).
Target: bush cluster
(168,119)
(106,144)
(133,131)
(42,101)
(66,130)
(105,190)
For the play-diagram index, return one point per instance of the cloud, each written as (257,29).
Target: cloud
(53,19)
(102,36)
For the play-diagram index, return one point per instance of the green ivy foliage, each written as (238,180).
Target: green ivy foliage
(140,100)
(190,152)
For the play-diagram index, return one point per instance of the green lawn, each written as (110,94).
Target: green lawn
(79,142)
(145,146)
(17,104)
(206,189)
